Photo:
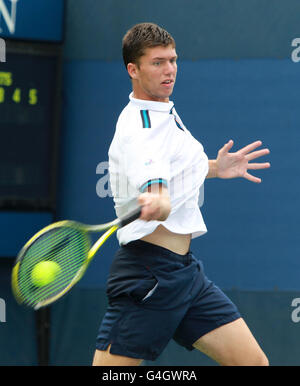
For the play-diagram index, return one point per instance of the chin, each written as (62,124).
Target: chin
(166,95)
(160,96)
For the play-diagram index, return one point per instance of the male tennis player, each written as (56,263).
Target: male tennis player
(157,289)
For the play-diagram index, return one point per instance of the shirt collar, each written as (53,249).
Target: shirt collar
(151,105)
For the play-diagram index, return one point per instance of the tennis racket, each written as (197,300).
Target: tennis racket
(67,245)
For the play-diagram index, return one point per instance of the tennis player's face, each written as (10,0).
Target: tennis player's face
(154,77)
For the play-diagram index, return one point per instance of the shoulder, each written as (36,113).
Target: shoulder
(129,121)
(138,123)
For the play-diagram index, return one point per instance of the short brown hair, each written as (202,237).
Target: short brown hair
(142,36)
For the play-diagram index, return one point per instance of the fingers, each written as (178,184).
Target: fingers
(247,149)
(253,154)
(150,206)
(250,147)
(257,154)
(252,178)
(144,199)
(257,166)
(226,147)
(148,213)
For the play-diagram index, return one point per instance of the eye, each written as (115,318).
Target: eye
(156,63)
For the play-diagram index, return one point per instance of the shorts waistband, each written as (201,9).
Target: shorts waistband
(148,248)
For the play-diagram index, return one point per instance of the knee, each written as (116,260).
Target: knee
(258,359)
(262,360)
(252,359)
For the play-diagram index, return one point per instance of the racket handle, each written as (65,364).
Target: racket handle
(134,215)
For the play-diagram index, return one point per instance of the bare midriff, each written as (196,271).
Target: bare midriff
(175,242)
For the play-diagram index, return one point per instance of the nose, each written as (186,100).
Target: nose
(170,67)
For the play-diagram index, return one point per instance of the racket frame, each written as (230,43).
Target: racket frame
(110,227)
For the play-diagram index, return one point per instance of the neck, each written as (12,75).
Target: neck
(138,93)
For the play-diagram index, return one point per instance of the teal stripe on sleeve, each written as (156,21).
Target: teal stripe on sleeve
(155,181)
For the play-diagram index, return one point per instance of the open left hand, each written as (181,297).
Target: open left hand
(232,165)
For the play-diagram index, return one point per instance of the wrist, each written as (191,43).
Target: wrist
(212,169)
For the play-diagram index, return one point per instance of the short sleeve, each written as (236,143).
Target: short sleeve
(147,159)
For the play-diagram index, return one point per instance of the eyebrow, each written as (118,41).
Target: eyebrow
(157,58)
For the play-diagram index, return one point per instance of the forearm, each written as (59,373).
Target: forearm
(212,169)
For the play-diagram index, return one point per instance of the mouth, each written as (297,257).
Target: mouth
(168,83)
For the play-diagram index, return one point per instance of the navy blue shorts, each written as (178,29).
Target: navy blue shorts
(155,295)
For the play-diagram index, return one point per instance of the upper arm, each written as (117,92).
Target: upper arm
(147,161)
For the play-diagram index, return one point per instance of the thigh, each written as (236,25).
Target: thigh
(209,310)
(232,345)
(134,331)
(105,358)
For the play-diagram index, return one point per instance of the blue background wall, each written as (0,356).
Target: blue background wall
(237,81)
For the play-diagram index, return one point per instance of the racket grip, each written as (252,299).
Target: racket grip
(134,215)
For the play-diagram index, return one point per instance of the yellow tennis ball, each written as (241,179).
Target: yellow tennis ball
(44,273)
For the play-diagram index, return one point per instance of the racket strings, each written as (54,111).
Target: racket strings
(66,246)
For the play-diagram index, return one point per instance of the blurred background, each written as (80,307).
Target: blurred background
(62,87)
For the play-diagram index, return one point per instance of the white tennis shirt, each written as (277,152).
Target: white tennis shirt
(152,145)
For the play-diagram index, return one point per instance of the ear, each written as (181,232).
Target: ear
(132,70)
